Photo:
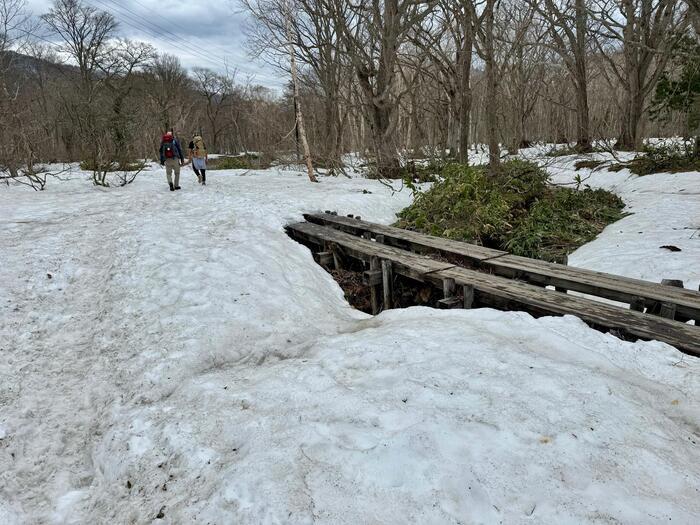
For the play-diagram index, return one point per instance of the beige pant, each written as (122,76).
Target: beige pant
(170,165)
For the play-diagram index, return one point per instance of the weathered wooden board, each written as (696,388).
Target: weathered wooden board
(608,286)
(683,336)
(485,285)
(406,239)
(407,263)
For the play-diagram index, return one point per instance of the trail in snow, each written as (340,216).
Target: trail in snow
(147,288)
(187,356)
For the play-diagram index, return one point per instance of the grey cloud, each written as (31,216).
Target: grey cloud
(187,29)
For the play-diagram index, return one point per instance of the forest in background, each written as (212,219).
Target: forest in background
(383,78)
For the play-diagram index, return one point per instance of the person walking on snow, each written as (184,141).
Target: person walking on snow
(198,158)
(171,157)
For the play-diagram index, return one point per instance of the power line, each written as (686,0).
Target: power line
(140,26)
(57,45)
(193,48)
(154,33)
(162,33)
(197,46)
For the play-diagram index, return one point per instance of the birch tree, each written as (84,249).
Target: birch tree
(297,102)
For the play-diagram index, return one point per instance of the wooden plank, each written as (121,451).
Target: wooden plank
(374,292)
(448,288)
(468,292)
(637,304)
(329,247)
(414,239)
(448,291)
(609,286)
(613,287)
(449,303)
(668,310)
(405,263)
(372,277)
(324,258)
(683,336)
(387,283)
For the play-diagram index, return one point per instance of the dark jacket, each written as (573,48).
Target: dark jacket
(178,151)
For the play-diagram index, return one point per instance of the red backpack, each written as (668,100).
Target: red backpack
(168,147)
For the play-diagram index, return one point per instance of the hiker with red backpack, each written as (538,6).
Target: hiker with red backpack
(171,157)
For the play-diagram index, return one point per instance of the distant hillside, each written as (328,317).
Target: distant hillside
(21,63)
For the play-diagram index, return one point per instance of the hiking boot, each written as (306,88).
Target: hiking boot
(177,187)
(172,187)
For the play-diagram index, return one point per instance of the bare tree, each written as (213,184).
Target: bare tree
(297,103)
(168,92)
(125,60)
(496,53)
(85,32)
(523,69)
(636,38)
(372,36)
(568,26)
(315,47)
(486,48)
(446,37)
(217,90)
(18,132)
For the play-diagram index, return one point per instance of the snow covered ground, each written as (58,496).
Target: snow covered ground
(665,211)
(176,358)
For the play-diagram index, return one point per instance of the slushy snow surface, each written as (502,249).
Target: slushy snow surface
(186,362)
(665,211)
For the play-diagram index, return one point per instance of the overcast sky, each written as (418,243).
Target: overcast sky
(202,33)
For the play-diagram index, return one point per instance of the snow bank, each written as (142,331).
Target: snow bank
(422,416)
(665,211)
(187,361)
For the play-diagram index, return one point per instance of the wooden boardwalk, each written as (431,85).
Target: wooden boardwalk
(637,293)
(385,250)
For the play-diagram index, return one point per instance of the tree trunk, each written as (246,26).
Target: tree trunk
(583,136)
(418,134)
(492,121)
(330,111)
(296,130)
(630,136)
(381,112)
(297,102)
(633,34)
(464,68)
(491,89)
(379,101)
(465,125)
(453,124)
(340,126)
(388,166)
